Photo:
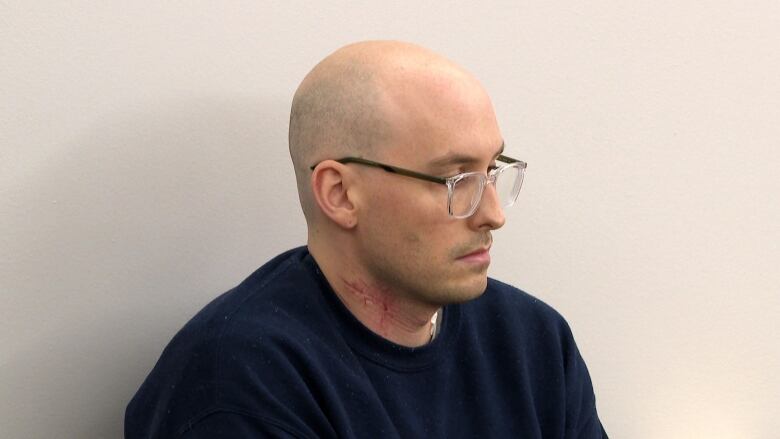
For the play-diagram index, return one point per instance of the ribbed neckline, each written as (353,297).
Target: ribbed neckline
(374,347)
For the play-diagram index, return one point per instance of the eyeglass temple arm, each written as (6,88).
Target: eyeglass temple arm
(507,159)
(413,174)
(392,169)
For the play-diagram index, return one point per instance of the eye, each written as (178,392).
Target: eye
(459,170)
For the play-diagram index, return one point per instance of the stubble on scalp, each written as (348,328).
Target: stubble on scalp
(336,112)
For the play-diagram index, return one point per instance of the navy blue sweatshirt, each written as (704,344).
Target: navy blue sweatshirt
(280,356)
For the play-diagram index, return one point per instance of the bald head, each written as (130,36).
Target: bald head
(357,100)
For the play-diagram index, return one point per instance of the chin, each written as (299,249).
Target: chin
(469,291)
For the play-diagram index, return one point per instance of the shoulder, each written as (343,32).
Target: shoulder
(520,319)
(204,367)
(506,300)
(275,304)
(250,310)
(526,331)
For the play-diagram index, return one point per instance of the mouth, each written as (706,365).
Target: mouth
(478,256)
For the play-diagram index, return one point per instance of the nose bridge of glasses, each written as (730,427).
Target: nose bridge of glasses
(500,191)
(488,203)
(493,174)
(485,183)
(491,177)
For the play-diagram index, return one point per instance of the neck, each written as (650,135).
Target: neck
(381,308)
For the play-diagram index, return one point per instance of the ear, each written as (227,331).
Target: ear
(331,184)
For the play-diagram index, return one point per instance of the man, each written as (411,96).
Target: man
(386,324)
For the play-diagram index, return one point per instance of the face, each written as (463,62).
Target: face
(407,240)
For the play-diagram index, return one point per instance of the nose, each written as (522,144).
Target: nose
(489,214)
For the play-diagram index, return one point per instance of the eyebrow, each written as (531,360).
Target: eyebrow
(459,159)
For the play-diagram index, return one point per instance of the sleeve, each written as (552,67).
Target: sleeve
(225,424)
(582,420)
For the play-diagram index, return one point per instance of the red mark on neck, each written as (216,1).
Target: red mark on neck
(377,301)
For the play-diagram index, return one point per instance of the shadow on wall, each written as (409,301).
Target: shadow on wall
(123,233)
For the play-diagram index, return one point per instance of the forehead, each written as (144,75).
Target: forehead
(454,158)
(441,119)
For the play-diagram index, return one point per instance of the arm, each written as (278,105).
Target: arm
(582,420)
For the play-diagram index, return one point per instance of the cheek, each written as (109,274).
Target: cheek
(429,247)
(411,220)
(411,195)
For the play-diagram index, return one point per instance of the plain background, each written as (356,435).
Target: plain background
(144,170)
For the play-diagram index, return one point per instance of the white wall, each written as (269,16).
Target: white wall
(143,170)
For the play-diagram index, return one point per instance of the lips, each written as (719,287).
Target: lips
(479,256)
(476,252)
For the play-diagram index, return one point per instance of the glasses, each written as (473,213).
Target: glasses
(464,191)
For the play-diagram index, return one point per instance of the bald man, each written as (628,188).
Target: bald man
(385,325)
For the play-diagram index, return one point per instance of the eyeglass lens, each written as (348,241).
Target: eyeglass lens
(508,183)
(467,192)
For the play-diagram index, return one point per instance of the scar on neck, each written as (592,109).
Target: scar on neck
(373,298)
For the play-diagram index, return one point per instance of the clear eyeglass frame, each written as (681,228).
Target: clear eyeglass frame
(475,182)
